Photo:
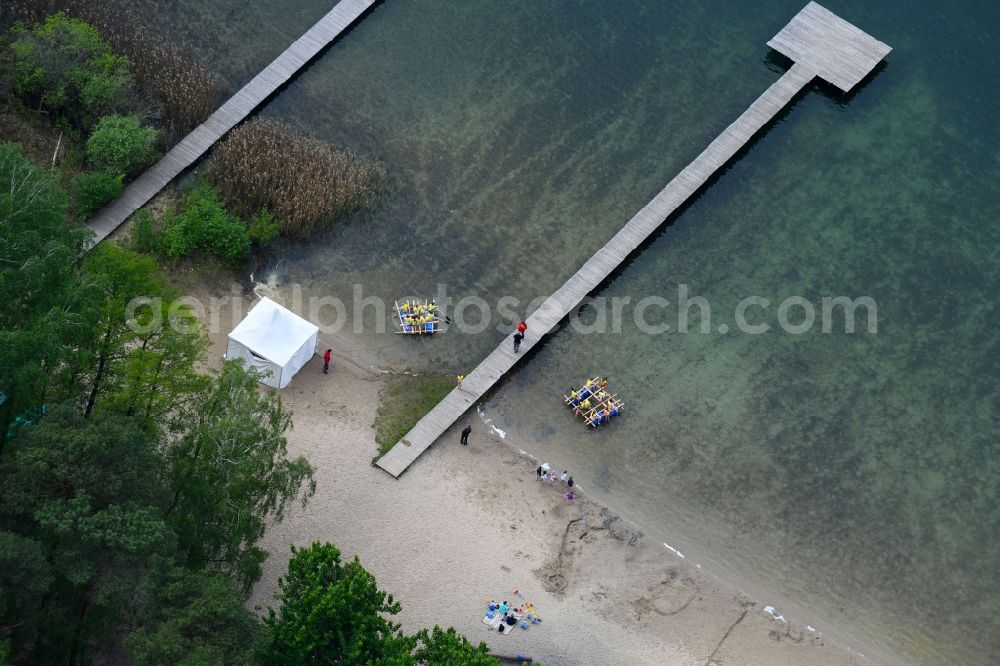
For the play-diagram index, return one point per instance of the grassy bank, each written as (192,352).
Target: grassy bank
(405,400)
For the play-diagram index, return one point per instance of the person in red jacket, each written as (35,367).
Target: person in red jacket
(326,361)
(522,326)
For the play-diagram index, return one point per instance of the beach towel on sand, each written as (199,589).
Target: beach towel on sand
(493,622)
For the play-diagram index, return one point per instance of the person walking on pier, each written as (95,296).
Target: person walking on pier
(326,362)
(465,434)
(517,340)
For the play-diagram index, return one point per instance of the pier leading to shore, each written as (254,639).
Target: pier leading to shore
(820,44)
(281,70)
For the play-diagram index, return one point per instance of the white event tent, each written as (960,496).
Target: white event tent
(273,338)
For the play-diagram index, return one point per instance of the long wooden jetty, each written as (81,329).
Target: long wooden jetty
(820,44)
(234,110)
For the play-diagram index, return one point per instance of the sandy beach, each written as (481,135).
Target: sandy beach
(467,524)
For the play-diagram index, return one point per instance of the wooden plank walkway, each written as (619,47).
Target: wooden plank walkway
(813,35)
(234,110)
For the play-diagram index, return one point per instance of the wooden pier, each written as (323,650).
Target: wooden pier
(819,44)
(238,107)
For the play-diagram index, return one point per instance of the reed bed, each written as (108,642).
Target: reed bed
(185,90)
(306,183)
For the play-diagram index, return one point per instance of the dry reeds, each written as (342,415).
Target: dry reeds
(306,183)
(185,89)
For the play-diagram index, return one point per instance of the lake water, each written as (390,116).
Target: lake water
(853,477)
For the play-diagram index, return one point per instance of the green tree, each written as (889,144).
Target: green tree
(115,276)
(92,191)
(441,647)
(157,382)
(25,576)
(334,613)
(192,618)
(91,493)
(121,145)
(63,66)
(231,475)
(40,293)
(142,357)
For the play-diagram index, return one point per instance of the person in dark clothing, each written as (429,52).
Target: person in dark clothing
(570,482)
(465,434)
(517,340)
(326,362)
(538,472)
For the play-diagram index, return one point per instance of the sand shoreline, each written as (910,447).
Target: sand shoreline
(465,524)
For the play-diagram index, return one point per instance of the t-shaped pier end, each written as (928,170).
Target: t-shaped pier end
(829,46)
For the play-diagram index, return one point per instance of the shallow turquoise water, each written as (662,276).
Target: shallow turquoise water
(855,477)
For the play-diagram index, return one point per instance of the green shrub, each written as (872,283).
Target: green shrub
(121,145)
(176,241)
(216,231)
(143,231)
(63,66)
(204,224)
(91,191)
(262,227)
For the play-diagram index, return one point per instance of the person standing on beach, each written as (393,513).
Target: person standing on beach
(465,434)
(538,472)
(326,362)
(563,476)
(517,340)
(570,482)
